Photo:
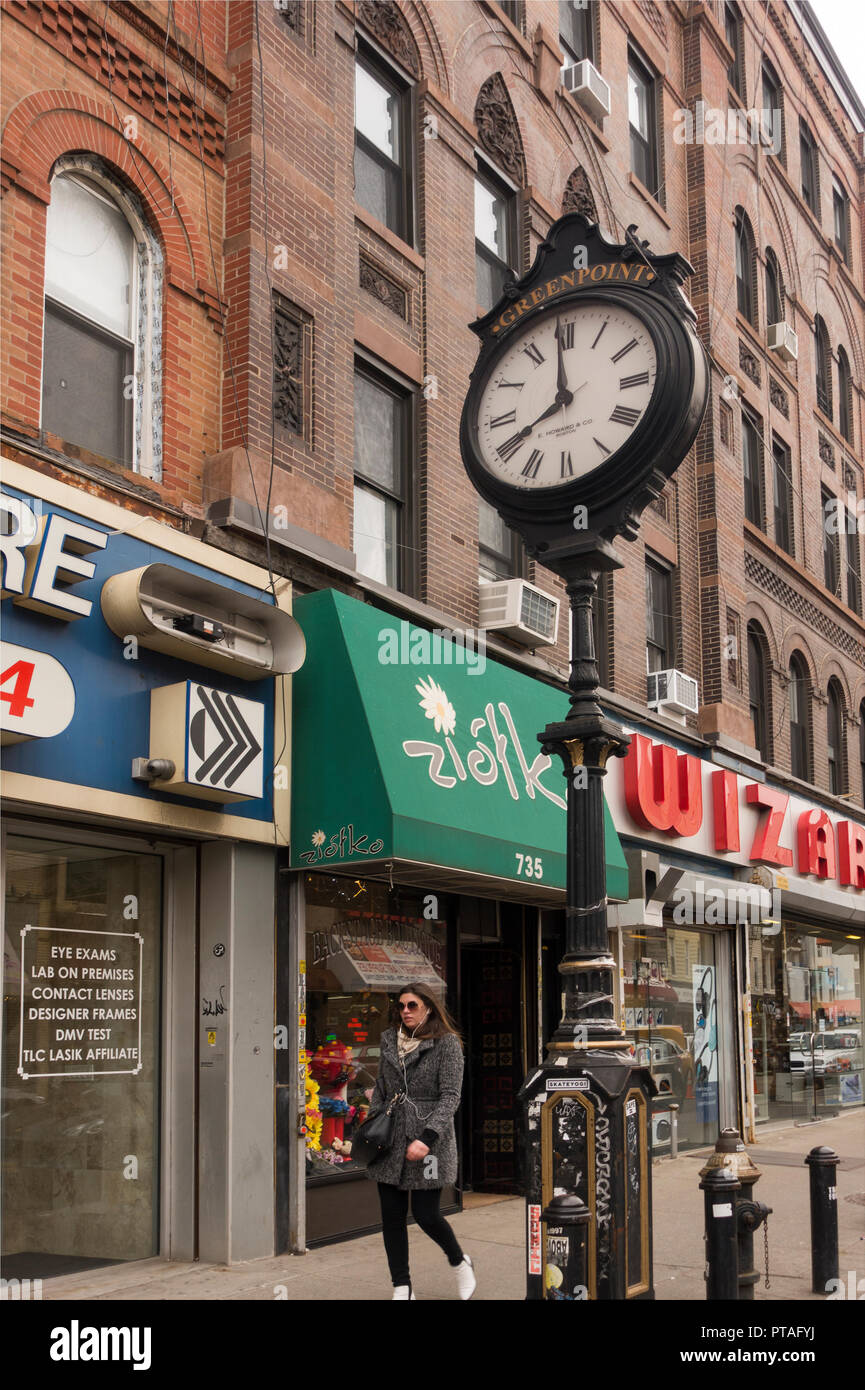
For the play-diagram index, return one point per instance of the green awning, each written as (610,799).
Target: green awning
(409,748)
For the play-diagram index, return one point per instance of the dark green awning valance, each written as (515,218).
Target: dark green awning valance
(413,749)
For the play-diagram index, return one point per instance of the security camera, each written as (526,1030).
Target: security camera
(152,769)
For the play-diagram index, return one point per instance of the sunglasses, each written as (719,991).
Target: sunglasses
(406,1006)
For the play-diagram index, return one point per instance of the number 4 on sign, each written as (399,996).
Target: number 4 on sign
(37,697)
(19,696)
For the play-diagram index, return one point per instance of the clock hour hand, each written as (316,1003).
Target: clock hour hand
(550,410)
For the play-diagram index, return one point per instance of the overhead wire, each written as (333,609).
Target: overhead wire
(272,316)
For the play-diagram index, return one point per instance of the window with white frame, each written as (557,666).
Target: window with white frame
(383,432)
(495,236)
(101,364)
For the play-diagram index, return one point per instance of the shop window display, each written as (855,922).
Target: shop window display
(364,943)
(807,1022)
(671,1015)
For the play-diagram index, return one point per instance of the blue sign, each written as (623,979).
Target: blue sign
(112,678)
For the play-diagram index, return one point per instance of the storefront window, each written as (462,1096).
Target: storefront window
(80,1057)
(807,1022)
(364,943)
(671,1013)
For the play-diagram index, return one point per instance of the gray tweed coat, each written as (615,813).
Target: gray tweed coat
(434,1072)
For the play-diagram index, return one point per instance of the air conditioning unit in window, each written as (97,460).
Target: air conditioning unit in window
(784,341)
(588,86)
(520,611)
(672,692)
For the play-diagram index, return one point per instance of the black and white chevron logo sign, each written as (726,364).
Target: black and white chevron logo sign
(224,742)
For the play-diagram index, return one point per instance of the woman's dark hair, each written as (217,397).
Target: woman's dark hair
(439,1021)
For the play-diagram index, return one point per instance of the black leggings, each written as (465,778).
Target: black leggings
(425,1210)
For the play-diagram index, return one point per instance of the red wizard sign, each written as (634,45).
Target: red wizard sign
(717,811)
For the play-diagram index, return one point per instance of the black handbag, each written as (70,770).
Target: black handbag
(375,1136)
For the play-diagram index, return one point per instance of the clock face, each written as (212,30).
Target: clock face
(566,394)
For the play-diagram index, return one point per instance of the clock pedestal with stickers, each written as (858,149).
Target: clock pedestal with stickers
(588,391)
(587,1108)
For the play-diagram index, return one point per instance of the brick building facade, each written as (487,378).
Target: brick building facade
(244,172)
(315,198)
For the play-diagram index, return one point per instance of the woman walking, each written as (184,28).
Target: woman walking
(421,1056)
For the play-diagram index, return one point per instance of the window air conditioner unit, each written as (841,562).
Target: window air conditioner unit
(589,88)
(519,611)
(784,341)
(673,692)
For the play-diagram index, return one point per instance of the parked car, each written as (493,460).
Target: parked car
(834,1051)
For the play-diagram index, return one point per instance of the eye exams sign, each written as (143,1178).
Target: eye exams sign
(80,1003)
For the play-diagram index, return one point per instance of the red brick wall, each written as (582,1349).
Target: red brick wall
(298,232)
(67,87)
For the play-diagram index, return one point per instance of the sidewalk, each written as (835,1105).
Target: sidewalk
(493,1233)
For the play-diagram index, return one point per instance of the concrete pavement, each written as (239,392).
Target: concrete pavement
(492,1231)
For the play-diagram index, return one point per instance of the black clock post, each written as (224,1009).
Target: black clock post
(587,1106)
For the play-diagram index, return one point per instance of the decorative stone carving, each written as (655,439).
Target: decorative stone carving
(578,196)
(655,18)
(374,280)
(778,397)
(849,478)
(498,131)
(384,19)
(827,453)
(749,364)
(288,371)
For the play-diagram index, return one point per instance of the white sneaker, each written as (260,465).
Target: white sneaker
(466,1281)
(403,1292)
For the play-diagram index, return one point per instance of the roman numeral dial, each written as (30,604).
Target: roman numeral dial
(564,394)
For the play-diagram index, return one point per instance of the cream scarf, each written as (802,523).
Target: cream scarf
(406,1044)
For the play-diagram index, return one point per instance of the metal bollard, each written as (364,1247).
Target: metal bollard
(822,1163)
(674,1130)
(567,1221)
(730,1154)
(722,1266)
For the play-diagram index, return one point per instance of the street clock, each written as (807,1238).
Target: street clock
(588,391)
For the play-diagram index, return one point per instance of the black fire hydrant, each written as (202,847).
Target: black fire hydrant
(730,1154)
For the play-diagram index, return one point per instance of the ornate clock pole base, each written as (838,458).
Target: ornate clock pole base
(587,1107)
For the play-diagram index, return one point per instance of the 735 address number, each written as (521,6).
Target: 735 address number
(529,867)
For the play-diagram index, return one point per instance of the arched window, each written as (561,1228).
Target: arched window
(758,690)
(101,366)
(823,366)
(745,298)
(845,396)
(835,737)
(800,718)
(774,289)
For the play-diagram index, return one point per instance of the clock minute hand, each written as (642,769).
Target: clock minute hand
(561,379)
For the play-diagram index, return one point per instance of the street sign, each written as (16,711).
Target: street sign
(224,736)
(37,697)
(214,739)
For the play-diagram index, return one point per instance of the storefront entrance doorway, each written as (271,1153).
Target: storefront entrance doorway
(492,1017)
(81,1058)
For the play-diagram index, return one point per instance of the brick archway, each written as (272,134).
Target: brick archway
(49,124)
